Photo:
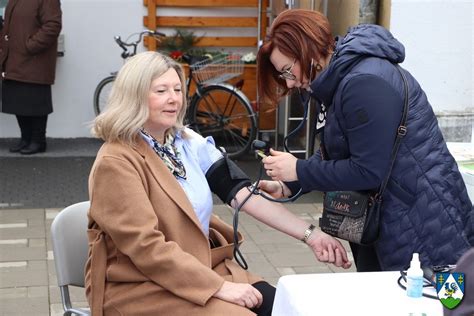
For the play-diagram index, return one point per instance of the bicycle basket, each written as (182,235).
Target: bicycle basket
(218,69)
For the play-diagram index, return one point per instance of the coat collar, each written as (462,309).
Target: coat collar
(166,180)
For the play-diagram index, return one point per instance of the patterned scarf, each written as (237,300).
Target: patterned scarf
(169,154)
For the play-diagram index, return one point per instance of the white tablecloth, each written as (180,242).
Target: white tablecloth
(363,293)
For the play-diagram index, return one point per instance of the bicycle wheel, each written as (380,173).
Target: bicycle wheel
(225,114)
(101,94)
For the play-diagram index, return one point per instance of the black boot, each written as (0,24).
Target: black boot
(19,146)
(38,137)
(34,148)
(25,127)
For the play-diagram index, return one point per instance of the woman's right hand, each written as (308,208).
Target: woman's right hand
(274,188)
(242,294)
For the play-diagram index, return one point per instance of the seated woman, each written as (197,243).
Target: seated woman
(154,246)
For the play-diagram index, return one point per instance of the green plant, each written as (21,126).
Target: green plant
(182,41)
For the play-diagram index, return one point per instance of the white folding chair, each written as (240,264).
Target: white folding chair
(70,248)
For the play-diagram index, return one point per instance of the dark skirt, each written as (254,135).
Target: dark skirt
(29,99)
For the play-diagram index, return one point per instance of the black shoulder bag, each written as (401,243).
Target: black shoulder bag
(355,215)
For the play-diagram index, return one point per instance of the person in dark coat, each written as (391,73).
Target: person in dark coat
(360,92)
(28,50)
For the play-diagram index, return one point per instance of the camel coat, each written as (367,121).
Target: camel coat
(147,252)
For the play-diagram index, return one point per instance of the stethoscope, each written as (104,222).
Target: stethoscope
(260,147)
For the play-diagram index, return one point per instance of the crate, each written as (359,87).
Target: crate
(220,68)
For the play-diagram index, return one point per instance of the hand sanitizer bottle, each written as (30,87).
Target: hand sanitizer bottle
(415,277)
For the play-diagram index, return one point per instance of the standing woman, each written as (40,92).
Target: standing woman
(356,80)
(28,50)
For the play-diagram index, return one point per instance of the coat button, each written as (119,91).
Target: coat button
(6,37)
(3,74)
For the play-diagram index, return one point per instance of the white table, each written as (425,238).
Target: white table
(363,293)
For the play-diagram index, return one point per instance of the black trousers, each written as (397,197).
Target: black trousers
(365,258)
(33,128)
(268,293)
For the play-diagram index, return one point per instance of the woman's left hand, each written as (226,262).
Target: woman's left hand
(280,166)
(328,249)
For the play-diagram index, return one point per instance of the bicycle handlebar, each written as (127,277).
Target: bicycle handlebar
(125,45)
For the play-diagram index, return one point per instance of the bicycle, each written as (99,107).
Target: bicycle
(104,87)
(216,108)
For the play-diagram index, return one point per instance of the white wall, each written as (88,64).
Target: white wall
(90,54)
(437,34)
(438,38)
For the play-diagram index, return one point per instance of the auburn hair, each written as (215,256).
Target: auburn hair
(299,34)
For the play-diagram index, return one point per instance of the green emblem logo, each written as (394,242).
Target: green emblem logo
(450,288)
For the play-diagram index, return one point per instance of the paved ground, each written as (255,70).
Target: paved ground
(27,274)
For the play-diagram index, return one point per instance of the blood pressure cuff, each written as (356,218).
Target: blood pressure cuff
(225,179)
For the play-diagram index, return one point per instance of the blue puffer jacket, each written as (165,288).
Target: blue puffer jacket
(426,208)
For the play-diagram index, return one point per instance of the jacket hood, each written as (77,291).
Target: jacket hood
(362,41)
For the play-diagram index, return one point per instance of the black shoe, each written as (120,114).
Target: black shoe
(16,148)
(33,148)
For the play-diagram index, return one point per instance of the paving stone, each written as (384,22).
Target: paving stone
(292,259)
(13,264)
(31,275)
(52,273)
(317,268)
(16,224)
(286,271)
(23,253)
(249,247)
(12,215)
(8,243)
(269,237)
(250,228)
(36,222)
(37,242)
(335,269)
(57,308)
(284,247)
(51,213)
(37,265)
(13,292)
(77,295)
(54,293)
(301,208)
(265,271)
(38,291)
(23,232)
(272,281)
(38,306)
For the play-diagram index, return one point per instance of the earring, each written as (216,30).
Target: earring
(318,67)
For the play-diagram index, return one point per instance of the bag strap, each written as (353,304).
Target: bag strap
(401,132)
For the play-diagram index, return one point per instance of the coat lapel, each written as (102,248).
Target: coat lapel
(167,181)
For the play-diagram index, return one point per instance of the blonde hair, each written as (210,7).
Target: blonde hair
(127,106)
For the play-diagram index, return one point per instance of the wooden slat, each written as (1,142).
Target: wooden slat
(227,41)
(263,19)
(208,3)
(195,21)
(151,21)
(220,41)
